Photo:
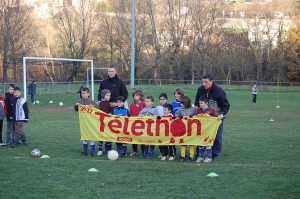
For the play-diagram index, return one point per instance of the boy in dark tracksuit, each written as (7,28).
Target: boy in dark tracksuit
(9,123)
(167,151)
(20,113)
(120,110)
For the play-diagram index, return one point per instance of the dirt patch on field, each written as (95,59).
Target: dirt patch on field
(56,109)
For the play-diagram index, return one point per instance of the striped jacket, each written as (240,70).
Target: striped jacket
(20,111)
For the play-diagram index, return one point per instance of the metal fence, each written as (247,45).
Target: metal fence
(73,87)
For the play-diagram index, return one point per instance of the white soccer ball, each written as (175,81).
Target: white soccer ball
(36,153)
(50,102)
(112,155)
(37,102)
(61,104)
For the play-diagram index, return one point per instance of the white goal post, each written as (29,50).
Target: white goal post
(55,59)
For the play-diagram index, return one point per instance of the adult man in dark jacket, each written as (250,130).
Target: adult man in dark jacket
(218,102)
(116,86)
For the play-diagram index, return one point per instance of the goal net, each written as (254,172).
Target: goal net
(57,79)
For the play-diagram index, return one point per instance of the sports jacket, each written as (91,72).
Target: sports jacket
(20,111)
(116,86)
(217,99)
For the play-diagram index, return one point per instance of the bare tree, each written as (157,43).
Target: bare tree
(207,31)
(157,62)
(16,34)
(76,30)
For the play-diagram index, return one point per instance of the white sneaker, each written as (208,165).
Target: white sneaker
(133,154)
(207,160)
(199,160)
(99,153)
(171,158)
(164,158)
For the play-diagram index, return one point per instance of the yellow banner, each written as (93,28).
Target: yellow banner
(98,126)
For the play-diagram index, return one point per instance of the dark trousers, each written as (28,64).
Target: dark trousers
(9,131)
(135,148)
(168,151)
(32,100)
(217,147)
(254,98)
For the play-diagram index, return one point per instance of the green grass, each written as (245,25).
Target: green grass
(260,159)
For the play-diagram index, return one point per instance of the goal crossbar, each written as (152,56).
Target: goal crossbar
(55,59)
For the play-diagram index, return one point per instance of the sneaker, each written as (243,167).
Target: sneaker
(164,158)
(214,158)
(133,153)
(160,156)
(207,160)
(171,158)
(24,143)
(190,159)
(123,154)
(99,153)
(199,160)
(83,153)
(182,159)
(92,155)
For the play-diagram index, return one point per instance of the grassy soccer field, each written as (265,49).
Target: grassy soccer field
(260,158)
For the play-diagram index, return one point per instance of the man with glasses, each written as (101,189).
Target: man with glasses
(218,102)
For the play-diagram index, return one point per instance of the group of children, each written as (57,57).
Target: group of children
(180,108)
(14,107)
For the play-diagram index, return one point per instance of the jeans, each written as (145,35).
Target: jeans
(217,147)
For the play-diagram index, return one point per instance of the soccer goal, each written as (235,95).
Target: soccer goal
(101,75)
(54,77)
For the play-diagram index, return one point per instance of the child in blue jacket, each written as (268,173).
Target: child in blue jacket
(120,110)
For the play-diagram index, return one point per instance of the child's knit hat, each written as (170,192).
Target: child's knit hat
(104,92)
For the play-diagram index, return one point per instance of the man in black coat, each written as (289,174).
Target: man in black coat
(218,102)
(116,86)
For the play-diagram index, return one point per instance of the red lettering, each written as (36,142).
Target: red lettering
(190,124)
(125,129)
(101,119)
(114,125)
(166,127)
(137,125)
(149,123)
